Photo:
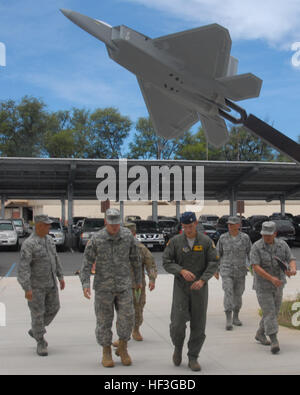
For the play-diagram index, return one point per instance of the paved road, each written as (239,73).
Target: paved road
(72,261)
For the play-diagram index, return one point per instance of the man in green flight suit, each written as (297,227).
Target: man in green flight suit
(193,259)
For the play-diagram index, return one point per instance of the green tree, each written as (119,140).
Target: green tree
(22,127)
(108,130)
(147,144)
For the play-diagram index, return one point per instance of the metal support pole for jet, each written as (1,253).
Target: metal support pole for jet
(154,211)
(233,202)
(122,211)
(3,207)
(282,205)
(178,210)
(63,211)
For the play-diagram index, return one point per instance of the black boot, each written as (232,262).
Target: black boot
(229,326)
(177,356)
(236,321)
(274,344)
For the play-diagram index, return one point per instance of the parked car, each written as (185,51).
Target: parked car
(9,235)
(57,232)
(89,227)
(149,233)
(210,231)
(255,218)
(285,231)
(20,226)
(296,223)
(209,219)
(169,228)
(130,218)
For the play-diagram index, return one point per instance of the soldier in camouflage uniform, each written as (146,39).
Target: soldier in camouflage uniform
(233,249)
(114,250)
(148,263)
(269,280)
(38,271)
(192,258)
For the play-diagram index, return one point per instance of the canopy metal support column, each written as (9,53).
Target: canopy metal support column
(233,202)
(122,211)
(3,206)
(63,211)
(178,210)
(282,205)
(154,211)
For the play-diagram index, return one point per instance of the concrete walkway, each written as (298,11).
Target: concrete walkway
(73,349)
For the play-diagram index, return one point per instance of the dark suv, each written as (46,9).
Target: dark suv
(284,227)
(150,234)
(89,227)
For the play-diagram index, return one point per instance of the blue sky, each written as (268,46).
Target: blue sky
(49,57)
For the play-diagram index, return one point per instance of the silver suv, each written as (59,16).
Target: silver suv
(8,235)
(57,232)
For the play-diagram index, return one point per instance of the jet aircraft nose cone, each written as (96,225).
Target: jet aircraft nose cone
(66,13)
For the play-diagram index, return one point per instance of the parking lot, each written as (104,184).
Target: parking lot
(72,261)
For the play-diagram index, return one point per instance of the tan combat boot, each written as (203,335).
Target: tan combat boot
(116,343)
(136,334)
(107,360)
(123,353)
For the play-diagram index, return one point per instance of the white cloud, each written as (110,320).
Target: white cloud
(274,21)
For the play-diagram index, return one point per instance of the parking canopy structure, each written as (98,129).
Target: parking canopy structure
(76,179)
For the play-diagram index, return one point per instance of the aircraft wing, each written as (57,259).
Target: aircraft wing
(215,130)
(169,118)
(205,50)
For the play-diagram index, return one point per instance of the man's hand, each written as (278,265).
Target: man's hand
(217,275)
(197,285)
(87,293)
(187,275)
(275,281)
(62,284)
(28,296)
(151,286)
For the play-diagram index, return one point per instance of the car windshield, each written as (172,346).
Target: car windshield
(18,222)
(55,226)
(6,226)
(147,227)
(93,224)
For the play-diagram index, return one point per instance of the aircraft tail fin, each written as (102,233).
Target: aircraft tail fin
(240,87)
(215,130)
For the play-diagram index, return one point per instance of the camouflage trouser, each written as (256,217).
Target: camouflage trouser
(139,307)
(43,307)
(105,303)
(233,292)
(190,306)
(270,303)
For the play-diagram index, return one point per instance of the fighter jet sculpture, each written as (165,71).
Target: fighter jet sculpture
(184,77)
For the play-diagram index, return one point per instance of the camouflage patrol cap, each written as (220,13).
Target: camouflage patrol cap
(233,220)
(131,226)
(268,228)
(112,216)
(42,218)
